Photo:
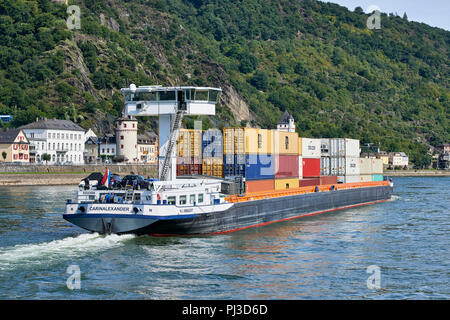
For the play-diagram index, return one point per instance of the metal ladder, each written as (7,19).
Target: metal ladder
(174,132)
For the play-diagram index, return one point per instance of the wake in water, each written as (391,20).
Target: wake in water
(47,252)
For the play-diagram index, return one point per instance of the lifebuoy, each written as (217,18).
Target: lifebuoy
(159,197)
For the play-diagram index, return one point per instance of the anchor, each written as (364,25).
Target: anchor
(107,227)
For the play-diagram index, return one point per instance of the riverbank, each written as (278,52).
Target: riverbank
(64,175)
(417,173)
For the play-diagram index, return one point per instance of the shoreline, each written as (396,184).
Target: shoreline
(74,178)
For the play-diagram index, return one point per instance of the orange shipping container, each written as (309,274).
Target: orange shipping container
(283,184)
(259,185)
(285,142)
(258,141)
(300,146)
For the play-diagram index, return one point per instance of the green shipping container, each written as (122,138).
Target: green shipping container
(377,177)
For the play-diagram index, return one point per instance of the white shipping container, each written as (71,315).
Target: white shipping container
(365,165)
(340,147)
(311,148)
(349,179)
(377,166)
(365,178)
(325,147)
(300,167)
(351,166)
(324,166)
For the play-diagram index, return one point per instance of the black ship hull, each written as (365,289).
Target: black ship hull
(261,212)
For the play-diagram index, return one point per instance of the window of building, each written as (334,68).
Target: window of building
(113,150)
(121,137)
(121,146)
(182,200)
(103,150)
(133,125)
(124,125)
(107,150)
(49,135)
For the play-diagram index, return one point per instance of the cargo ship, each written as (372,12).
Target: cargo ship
(243,178)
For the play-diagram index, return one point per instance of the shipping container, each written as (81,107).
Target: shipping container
(377,177)
(341,147)
(286,166)
(300,167)
(352,167)
(212,143)
(371,166)
(258,141)
(349,179)
(285,142)
(189,143)
(233,141)
(300,150)
(234,165)
(189,169)
(212,167)
(308,182)
(311,148)
(191,160)
(328,180)
(259,185)
(284,184)
(259,167)
(311,167)
(325,166)
(365,178)
(377,166)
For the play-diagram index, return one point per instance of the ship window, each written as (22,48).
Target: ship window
(171,200)
(146,96)
(187,94)
(200,198)
(201,95)
(167,96)
(213,95)
(182,199)
(192,198)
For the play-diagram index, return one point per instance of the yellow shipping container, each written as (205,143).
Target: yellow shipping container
(285,142)
(212,167)
(284,184)
(300,146)
(233,140)
(258,141)
(189,143)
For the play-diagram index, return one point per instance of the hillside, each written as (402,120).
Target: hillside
(316,60)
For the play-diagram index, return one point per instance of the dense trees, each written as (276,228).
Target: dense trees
(317,60)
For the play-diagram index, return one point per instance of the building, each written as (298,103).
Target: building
(108,146)
(126,138)
(286,123)
(63,140)
(14,146)
(89,134)
(147,146)
(398,159)
(91,146)
(443,148)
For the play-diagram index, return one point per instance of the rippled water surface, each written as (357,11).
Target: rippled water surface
(321,257)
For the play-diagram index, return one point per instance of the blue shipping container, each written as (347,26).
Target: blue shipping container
(212,143)
(258,167)
(234,165)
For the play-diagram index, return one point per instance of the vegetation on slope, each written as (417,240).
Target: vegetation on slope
(316,60)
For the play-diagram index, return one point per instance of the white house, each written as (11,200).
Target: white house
(108,146)
(286,123)
(63,140)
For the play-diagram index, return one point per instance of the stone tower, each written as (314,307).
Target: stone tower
(126,138)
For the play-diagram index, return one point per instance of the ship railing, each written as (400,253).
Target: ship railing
(303,190)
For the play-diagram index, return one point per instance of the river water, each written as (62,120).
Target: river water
(400,249)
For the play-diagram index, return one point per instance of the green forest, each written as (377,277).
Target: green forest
(317,60)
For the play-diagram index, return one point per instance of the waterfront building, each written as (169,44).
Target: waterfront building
(147,148)
(63,140)
(108,146)
(398,159)
(14,146)
(91,146)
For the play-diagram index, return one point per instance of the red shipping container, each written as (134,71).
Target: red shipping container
(259,185)
(286,166)
(311,167)
(309,182)
(188,169)
(328,180)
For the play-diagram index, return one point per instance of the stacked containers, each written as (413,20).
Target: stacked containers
(325,161)
(286,156)
(233,152)
(344,159)
(189,152)
(371,169)
(212,153)
(311,151)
